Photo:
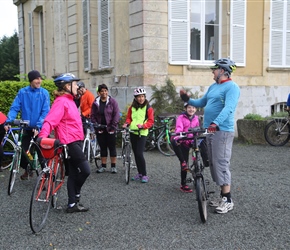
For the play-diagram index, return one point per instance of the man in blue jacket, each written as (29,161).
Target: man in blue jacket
(220,102)
(33,102)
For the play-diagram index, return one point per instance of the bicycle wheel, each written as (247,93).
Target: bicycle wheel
(277,132)
(201,197)
(98,156)
(40,202)
(164,145)
(8,152)
(86,149)
(127,162)
(13,172)
(58,180)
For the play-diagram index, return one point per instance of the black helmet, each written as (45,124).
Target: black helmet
(81,84)
(226,64)
(65,78)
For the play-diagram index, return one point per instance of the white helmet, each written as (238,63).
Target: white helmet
(139,91)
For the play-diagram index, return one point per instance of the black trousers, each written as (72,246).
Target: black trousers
(78,170)
(138,147)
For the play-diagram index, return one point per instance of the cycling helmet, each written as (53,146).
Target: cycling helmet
(139,91)
(226,64)
(81,84)
(65,78)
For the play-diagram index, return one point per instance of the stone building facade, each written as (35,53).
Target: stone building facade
(132,43)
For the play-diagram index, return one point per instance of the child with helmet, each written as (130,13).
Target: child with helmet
(186,120)
(65,120)
(140,116)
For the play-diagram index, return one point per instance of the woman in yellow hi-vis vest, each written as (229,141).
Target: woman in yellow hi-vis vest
(140,116)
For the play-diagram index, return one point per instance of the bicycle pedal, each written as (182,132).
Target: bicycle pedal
(210,192)
(206,182)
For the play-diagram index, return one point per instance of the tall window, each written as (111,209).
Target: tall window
(196,35)
(104,34)
(41,35)
(31,41)
(86,35)
(204,30)
(280,33)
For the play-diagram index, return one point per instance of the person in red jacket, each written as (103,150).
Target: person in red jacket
(86,100)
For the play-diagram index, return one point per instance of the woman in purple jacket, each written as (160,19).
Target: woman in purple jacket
(105,111)
(186,120)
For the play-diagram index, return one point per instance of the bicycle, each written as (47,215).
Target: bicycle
(197,167)
(91,146)
(159,136)
(48,183)
(126,154)
(277,131)
(9,143)
(31,157)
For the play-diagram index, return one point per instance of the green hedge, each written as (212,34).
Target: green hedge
(9,89)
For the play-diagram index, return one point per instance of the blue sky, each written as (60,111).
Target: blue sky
(8,18)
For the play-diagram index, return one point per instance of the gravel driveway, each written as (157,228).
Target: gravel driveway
(157,215)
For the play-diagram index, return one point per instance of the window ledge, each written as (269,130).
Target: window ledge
(194,67)
(101,71)
(277,69)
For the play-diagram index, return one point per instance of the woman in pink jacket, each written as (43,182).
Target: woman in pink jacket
(186,120)
(65,120)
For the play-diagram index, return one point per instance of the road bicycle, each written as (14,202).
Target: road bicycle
(91,146)
(9,143)
(30,155)
(159,136)
(126,154)
(196,168)
(277,131)
(48,183)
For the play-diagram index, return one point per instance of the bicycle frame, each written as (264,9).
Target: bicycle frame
(196,169)
(9,143)
(19,152)
(47,186)
(91,148)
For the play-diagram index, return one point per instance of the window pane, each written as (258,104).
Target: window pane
(195,30)
(211,30)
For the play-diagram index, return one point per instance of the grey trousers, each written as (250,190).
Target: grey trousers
(219,154)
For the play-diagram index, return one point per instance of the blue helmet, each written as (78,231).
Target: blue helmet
(65,78)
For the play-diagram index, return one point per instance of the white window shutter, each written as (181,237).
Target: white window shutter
(104,34)
(276,35)
(86,35)
(179,32)
(288,35)
(238,32)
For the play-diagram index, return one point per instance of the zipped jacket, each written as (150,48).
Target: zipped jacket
(64,118)
(34,104)
(112,113)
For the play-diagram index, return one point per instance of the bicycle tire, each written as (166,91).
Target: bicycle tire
(127,162)
(164,145)
(201,197)
(9,148)
(58,180)
(98,162)
(40,202)
(86,150)
(277,132)
(14,169)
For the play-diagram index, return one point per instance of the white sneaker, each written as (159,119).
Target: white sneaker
(224,206)
(113,170)
(215,202)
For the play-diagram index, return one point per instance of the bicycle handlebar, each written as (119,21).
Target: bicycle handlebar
(195,130)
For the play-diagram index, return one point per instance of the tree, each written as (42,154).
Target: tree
(9,58)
